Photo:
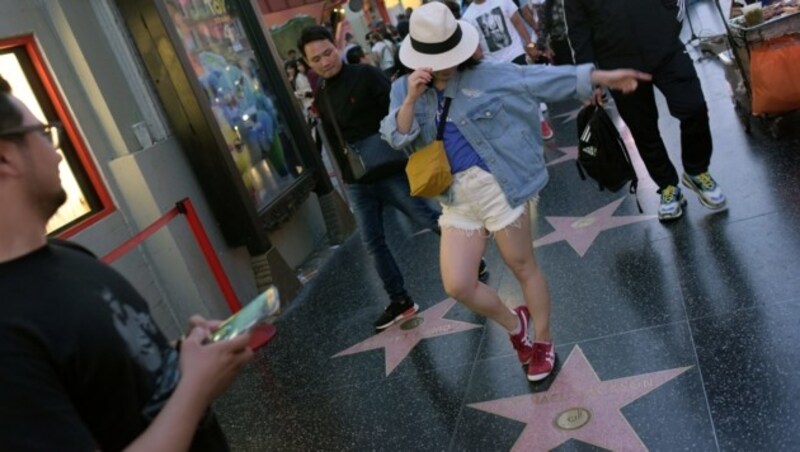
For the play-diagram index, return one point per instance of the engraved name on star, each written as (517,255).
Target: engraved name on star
(578,405)
(399,339)
(581,232)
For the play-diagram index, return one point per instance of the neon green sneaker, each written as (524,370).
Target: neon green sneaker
(672,202)
(707,190)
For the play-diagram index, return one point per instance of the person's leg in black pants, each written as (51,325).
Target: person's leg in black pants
(638,110)
(678,81)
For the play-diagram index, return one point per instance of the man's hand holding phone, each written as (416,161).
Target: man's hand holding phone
(253,314)
(207,369)
(214,351)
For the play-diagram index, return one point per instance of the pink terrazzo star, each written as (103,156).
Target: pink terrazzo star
(569,153)
(569,116)
(578,405)
(580,232)
(401,338)
(572,115)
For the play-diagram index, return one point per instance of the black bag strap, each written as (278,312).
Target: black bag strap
(443,118)
(333,122)
(332,117)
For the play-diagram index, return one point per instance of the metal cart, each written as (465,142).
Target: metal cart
(741,40)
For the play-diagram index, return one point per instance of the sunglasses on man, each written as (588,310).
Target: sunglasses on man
(51,131)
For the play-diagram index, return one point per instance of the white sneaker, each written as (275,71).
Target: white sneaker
(672,202)
(707,190)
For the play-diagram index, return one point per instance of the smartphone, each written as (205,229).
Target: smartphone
(257,311)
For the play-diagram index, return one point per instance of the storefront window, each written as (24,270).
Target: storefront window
(19,68)
(243,104)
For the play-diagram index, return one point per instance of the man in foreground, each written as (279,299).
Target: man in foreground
(85,368)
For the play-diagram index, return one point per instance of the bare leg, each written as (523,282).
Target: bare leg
(460,253)
(516,248)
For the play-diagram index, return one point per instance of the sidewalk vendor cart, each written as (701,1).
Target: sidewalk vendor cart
(764,65)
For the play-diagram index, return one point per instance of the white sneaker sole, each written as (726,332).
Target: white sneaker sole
(406,314)
(539,377)
(678,213)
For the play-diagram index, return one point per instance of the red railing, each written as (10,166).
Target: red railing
(184,207)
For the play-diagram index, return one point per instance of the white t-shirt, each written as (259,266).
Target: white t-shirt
(385,54)
(492,18)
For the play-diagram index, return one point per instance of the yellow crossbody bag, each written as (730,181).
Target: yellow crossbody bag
(428,169)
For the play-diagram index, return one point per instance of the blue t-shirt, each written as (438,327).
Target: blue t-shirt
(460,153)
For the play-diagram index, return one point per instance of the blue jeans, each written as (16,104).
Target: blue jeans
(368,202)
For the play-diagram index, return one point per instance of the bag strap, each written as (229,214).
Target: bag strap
(333,122)
(443,118)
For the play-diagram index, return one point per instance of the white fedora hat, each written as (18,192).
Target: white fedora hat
(436,39)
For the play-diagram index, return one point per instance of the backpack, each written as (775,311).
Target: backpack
(602,153)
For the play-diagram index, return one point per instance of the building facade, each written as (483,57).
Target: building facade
(170,100)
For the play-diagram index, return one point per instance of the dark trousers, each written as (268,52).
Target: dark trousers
(562,52)
(678,82)
(369,201)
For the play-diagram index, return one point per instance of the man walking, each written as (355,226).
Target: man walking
(505,38)
(355,98)
(643,34)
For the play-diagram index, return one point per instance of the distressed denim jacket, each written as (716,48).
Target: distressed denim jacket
(496,108)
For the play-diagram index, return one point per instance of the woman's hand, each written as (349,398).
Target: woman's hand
(417,83)
(625,80)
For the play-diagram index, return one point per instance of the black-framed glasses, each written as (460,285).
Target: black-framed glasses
(52,131)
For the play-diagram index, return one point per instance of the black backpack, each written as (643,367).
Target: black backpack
(602,153)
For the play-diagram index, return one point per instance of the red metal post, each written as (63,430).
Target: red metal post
(185,206)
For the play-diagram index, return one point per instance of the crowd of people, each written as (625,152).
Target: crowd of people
(86,337)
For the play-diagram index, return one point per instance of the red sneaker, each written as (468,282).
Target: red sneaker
(547,131)
(522,341)
(543,360)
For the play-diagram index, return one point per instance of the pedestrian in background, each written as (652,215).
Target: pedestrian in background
(353,99)
(644,34)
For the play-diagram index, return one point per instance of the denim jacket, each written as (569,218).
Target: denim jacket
(496,108)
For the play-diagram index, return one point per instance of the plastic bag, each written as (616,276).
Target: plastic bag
(775,75)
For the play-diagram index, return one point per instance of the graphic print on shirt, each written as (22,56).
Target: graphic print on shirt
(494,30)
(141,335)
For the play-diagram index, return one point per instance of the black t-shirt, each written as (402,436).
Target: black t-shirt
(359,98)
(84,367)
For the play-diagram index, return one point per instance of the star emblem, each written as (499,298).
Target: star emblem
(570,115)
(573,114)
(580,232)
(400,338)
(578,405)
(568,153)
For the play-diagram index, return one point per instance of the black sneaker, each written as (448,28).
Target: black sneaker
(396,311)
(483,272)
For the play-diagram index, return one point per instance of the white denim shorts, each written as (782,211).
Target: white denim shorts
(476,201)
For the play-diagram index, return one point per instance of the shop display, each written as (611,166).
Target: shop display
(225,65)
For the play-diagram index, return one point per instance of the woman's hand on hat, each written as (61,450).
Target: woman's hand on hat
(417,83)
(625,80)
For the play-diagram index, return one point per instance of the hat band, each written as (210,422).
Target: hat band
(435,48)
